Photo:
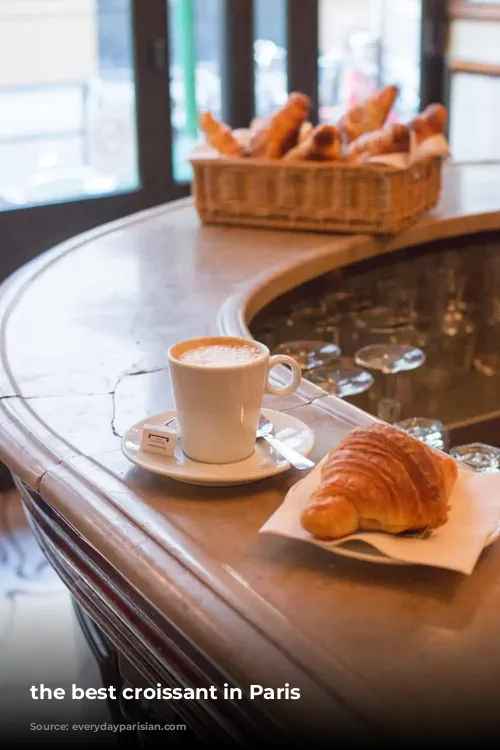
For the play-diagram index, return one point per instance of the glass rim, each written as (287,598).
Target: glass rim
(420,422)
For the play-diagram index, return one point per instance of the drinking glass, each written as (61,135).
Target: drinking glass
(430,431)
(478,456)
(338,329)
(488,345)
(397,289)
(298,323)
(385,326)
(382,319)
(343,302)
(392,319)
(310,353)
(388,360)
(266,334)
(450,347)
(443,284)
(342,382)
(445,316)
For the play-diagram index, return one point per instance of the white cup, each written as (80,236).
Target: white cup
(218,406)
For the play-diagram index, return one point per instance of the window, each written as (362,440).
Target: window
(474,55)
(271,84)
(364,45)
(67,101)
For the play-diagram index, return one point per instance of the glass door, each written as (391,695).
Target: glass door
(82,93)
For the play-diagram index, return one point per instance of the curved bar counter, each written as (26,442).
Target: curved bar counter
(176,576)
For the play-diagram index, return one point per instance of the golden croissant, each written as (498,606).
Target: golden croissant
(380,479)
(432,121)
(322,144)
(392,139)
(281,133)
(220,136)
(368,116)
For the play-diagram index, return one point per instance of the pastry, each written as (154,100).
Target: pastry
(380,479)
(220,136)
(281,133)
(322,144)
(392,139)
(368,116)
(432,121)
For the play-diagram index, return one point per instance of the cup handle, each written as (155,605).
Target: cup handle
(286,390)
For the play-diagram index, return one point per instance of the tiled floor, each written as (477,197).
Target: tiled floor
(39,638)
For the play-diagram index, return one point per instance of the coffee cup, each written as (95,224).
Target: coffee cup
(218,384)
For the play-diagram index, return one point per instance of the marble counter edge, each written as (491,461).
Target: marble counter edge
(182,579)
(21,449)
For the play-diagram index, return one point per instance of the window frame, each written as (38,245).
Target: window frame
(27,231)
(474,11)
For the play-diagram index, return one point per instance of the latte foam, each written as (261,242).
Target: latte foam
(221,355)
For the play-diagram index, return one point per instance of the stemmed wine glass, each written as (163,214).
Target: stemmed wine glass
(388,360)
(392,319)
(298,322)
(488,349)
(344,382)
(446,317)
(310,354)
(342,302)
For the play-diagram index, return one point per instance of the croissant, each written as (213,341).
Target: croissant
(281,133)
(371,115)
(432,121)
(220,136)
(380,479)
(322,144)
(392,139)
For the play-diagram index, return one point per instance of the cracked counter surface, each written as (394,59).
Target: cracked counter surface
(85,330)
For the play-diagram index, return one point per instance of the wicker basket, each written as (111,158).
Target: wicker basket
(315,196)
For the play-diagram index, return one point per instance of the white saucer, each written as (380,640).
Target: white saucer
(264,462)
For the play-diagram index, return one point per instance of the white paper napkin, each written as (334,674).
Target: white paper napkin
(436,145)
(398,161)
(473,517)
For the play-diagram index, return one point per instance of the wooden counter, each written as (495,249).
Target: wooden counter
(177,576)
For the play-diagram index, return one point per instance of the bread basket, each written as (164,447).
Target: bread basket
(314,196)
